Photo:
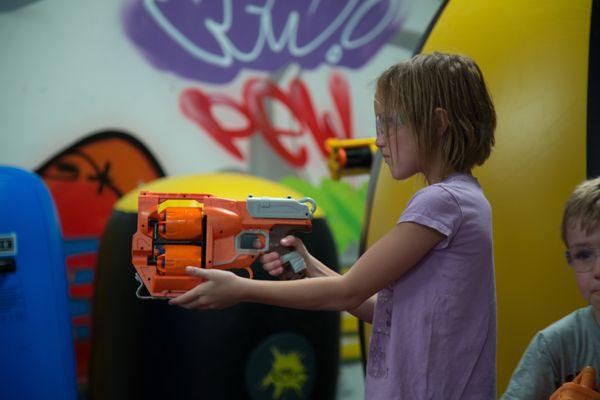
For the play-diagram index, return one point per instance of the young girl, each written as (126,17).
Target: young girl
(427,286)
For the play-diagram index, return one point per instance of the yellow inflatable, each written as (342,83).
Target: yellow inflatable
(534,55)
(230,185)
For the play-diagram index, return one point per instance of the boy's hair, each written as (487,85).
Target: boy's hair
(582,209)
(416,87)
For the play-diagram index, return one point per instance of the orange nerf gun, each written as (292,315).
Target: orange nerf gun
(214,233)
(581,388)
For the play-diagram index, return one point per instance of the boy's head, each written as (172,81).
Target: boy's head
(580,230)
(415,88)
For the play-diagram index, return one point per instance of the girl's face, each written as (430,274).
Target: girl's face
(396,143)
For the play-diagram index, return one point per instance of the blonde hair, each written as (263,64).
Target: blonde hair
(416,87)
(582,209)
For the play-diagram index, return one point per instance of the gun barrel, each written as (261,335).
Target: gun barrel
(180,223)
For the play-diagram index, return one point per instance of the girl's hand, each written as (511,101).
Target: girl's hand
(274,266)
(220,289)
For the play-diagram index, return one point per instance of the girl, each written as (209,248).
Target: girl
(427,286)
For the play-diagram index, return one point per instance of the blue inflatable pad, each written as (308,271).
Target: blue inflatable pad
(36,347)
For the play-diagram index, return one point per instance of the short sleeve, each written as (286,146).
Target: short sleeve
(534,377)
(436,208)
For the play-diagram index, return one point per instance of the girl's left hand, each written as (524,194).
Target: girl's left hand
(220,289)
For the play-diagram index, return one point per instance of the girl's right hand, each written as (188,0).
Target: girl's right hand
(274,266)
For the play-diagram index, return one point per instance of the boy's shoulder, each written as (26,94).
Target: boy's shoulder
(569,327)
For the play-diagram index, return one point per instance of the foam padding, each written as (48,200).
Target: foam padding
(36,349)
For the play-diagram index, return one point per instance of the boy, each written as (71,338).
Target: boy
(558,353)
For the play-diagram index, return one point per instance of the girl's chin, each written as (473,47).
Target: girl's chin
(401,175)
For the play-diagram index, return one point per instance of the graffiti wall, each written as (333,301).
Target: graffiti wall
(99,97)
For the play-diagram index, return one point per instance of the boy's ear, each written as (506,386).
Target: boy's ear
(440,117)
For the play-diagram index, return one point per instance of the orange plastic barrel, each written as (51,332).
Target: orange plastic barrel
(173,259)
(180,223)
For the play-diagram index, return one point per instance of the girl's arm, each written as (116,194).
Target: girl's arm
(386,261)
(366,310)
(316,269)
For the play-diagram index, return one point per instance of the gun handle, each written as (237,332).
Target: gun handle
(294,266)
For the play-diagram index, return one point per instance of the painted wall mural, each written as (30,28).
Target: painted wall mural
(196,40)
(196,105)
(134,90)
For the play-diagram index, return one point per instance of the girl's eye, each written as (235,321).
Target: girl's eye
(583,255)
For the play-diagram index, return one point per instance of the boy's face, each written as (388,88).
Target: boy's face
(582,245)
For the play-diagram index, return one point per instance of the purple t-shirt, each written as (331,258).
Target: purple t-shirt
(434,329)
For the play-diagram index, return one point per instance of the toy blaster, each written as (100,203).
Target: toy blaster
(581,388)
(349,156)
(211,233)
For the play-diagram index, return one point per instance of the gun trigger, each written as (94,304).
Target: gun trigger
(295,260)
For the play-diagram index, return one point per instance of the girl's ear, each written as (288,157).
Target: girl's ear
(440,117)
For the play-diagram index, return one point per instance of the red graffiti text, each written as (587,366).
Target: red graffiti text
(197,105)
